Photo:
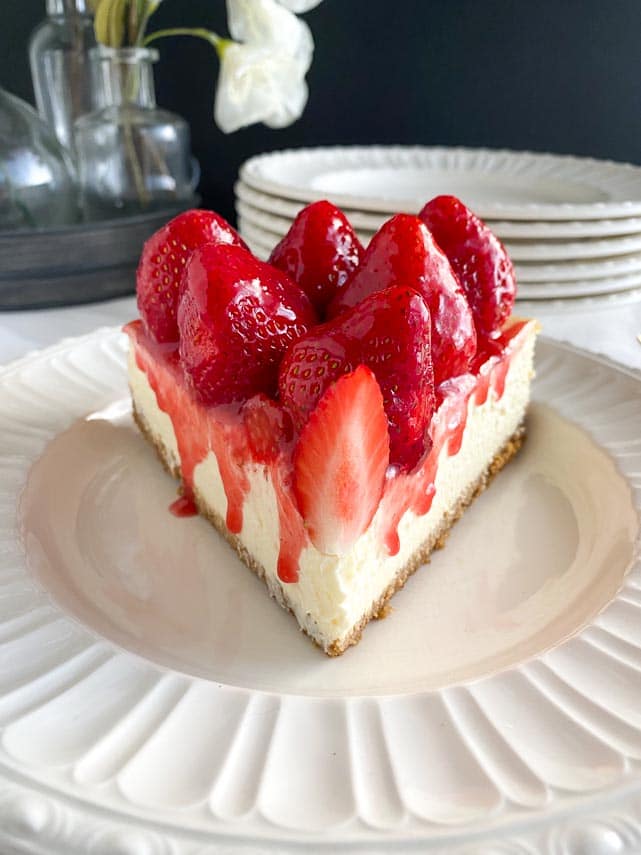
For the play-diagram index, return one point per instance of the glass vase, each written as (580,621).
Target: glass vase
(132,156)
(59,58)
(37,189)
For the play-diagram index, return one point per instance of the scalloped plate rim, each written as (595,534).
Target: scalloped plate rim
(253,173)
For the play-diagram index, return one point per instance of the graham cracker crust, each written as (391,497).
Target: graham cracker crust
(380,608)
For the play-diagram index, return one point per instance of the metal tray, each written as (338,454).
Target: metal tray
(75,264)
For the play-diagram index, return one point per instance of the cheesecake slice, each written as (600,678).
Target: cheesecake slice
(475,431)
(333,456)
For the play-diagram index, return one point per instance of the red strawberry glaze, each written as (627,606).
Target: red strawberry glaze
(199,429)
(415,490)
(184,506)
(293,536)
(221,429)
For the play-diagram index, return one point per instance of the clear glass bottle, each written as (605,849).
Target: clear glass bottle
(132,157)
(37,189)
(59,57)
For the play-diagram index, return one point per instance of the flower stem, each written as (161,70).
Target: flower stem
(149,8)
(198,32)
(136,167)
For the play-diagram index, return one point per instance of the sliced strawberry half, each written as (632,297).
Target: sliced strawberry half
(403,252)
(319,252)
(163,261)
(236,318)
(340,461)
(389,332)
(478,258)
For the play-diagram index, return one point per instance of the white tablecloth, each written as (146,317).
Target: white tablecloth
(609,329)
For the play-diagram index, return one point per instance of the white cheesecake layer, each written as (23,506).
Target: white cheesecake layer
(335,592)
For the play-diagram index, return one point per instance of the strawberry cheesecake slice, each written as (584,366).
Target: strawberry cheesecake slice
(332,413)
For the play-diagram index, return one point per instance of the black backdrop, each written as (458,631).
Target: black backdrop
(546,75)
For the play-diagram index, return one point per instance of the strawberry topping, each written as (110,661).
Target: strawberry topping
(269,427)
(236,318)
(478,258)
(389,331)
(319,252)
(162,263)
(403,252)
(340,461)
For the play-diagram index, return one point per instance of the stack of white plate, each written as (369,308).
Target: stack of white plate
(572,225)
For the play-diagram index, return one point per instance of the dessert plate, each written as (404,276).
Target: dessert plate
(572,305)
(578,250)
(288,209)
(578,288)
(153,701)
(259,239)
(262,242)
(563,271)
(526,271)
(497,184)
(523,229)
(563,229)
(520,250)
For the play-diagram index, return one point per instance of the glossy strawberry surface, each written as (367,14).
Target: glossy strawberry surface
(163,261)
(478,258)
(389,332)
(236,317)
(269,427)
(319,252)
(403,252)
(340,461)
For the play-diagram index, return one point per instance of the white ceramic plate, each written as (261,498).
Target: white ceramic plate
(561,229)
(579,250)
(505,229)
(572,305)
(578,288)
(551,250)
(496,184)
(260,241)
(164,705)
(287,209)
(542,281)
(564,271)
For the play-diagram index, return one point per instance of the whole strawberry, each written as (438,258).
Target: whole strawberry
(389,332)
(163,261)
(478,258)
(403,252)
(319,252)
(236,318)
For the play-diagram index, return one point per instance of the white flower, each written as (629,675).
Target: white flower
(267,22)
(258,84)
(299,6)
(262,73)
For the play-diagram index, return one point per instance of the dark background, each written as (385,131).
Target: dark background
(546,75)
